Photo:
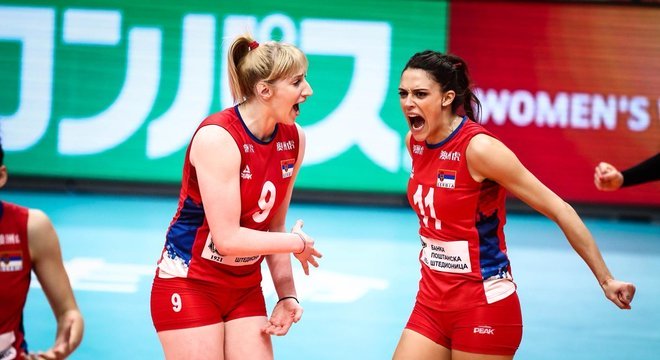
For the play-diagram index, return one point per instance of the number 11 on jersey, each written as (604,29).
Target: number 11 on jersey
(426,202)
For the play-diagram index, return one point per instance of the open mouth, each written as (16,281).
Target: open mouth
(296,108)
(416,122)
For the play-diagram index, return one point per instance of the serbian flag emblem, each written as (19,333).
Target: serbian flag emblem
(287,168)
(446,179)
(11,261)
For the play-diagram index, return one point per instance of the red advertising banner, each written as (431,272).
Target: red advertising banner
(566,86)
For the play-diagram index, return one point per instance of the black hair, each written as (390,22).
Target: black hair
(451,72)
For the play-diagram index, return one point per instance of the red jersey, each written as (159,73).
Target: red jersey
(15,271)
(463,256)
(265,175)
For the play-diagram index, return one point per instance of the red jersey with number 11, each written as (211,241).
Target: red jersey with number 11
(265,175)
(463,256)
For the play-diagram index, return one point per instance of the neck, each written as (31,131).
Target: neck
(445,127)
(456,120)
(258,119)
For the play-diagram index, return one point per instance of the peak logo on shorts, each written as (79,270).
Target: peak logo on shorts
(484,330)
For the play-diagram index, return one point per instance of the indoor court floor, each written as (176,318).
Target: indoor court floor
(358,301)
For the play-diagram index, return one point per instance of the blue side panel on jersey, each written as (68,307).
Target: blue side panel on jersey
(492,260)
(24,345)
(181,235)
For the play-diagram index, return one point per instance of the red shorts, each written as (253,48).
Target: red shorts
(492,329)
(184,303)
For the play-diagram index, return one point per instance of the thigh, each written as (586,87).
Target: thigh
(413,346)
(203,343)
(461,355)
(492,329)
(245,340)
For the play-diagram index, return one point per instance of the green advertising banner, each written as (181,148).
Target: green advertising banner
(112,90)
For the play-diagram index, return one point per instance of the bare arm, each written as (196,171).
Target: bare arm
(47,261)
(280,266)
(217,159)
(489,158)
(287,311)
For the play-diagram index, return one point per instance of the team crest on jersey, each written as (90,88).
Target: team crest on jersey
(287,168)
(11,261)
(446,179)
(246,174)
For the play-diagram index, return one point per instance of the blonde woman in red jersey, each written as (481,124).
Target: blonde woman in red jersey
(238,176)
(467,306)
(28,242)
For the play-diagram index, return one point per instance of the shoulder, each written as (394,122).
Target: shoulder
(488,157)
(216,127)
(486,147)
(481,143)
(41,233)
(209,141)
(37,219)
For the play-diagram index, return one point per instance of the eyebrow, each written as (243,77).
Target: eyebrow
(415,89)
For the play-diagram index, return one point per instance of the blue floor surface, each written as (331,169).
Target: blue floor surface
(358,301)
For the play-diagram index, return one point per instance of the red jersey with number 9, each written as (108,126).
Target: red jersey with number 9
(265,175)
(463,256)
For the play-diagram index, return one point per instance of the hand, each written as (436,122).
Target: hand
(607,177)
(619,292)
(306,257)
(50,354)
(69,334)
(285,313)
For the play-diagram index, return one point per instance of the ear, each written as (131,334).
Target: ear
(448,98)
(3,175)
(263,90)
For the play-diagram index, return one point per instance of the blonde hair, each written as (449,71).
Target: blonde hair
(270,61)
